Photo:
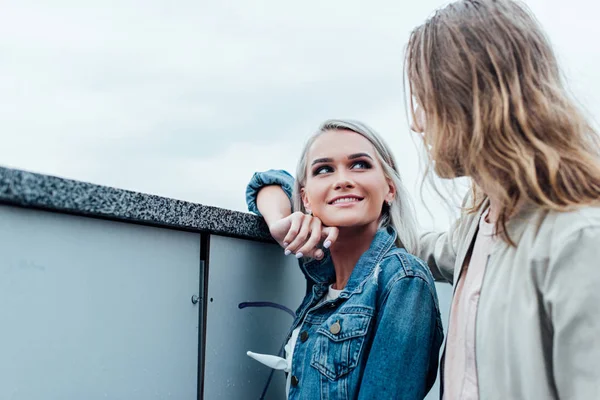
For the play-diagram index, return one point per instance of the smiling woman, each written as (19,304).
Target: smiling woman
(367,295)
(354,152)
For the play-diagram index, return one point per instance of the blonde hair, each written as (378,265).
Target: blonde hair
(496,109)
(400,214)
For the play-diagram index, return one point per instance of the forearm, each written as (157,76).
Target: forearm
(273,204)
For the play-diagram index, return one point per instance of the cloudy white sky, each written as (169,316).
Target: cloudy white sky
(186,99)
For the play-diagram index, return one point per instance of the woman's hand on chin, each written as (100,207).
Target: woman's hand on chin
(303,235)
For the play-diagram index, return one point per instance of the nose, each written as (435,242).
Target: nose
(418,123)
(343,181)
(415,128)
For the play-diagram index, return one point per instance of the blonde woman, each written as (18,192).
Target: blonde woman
(487,97)
(369,295)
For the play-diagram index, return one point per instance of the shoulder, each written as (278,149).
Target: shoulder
(398,264)
(558,226)
(404,276)
(566,254)
(560,230)
(580,218)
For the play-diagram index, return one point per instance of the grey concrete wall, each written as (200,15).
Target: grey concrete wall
(93,309)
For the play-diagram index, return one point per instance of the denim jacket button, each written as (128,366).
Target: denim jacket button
(335,328)
(294,380)
(304,336)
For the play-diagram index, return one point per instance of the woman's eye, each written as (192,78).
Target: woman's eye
(361,165)
(322,170)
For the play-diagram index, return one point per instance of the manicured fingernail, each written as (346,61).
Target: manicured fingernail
(319,254)
(287,252)
(299,255)
(285,244)
(327,244)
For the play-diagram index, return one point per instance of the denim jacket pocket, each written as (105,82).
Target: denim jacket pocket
(340,341)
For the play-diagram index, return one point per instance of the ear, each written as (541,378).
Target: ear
(305,200)
(391,194)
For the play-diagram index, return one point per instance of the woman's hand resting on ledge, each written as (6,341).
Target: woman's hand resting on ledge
(303,235)
(298,233)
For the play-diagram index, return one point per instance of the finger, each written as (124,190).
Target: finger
(318,254)
(310,247)
(296,224)
(331,234)
(301,237)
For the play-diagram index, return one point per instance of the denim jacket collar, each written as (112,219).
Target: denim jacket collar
(322,272)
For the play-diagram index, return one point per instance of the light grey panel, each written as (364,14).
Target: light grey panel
(241,271)
(93,309)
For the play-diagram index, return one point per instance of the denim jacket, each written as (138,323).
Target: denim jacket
(380,339)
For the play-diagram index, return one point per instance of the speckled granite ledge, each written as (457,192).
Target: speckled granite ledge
(39,191)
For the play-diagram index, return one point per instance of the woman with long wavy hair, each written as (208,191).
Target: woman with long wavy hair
(487,96)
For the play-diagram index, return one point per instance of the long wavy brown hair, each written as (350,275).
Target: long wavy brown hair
(495,108)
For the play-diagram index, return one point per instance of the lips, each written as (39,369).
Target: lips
(347,199)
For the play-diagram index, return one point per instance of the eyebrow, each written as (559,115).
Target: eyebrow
(359,155)
(350,157)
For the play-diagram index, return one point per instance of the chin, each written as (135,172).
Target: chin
(344,222)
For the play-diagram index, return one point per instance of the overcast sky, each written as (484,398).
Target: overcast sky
(186,99)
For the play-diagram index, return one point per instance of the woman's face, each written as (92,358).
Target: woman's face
(345,184)
(417,124)
(446,164)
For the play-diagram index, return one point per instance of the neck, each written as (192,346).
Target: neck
(495,204)
(494,213)
(351,244)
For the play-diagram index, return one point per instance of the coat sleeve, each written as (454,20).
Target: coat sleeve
(438,250)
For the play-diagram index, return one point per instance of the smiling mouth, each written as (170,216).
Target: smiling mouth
(346,200)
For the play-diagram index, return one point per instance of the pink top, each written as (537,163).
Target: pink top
(460,369)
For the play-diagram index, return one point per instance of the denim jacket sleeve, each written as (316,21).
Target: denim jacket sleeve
(409,346)
(262,179)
